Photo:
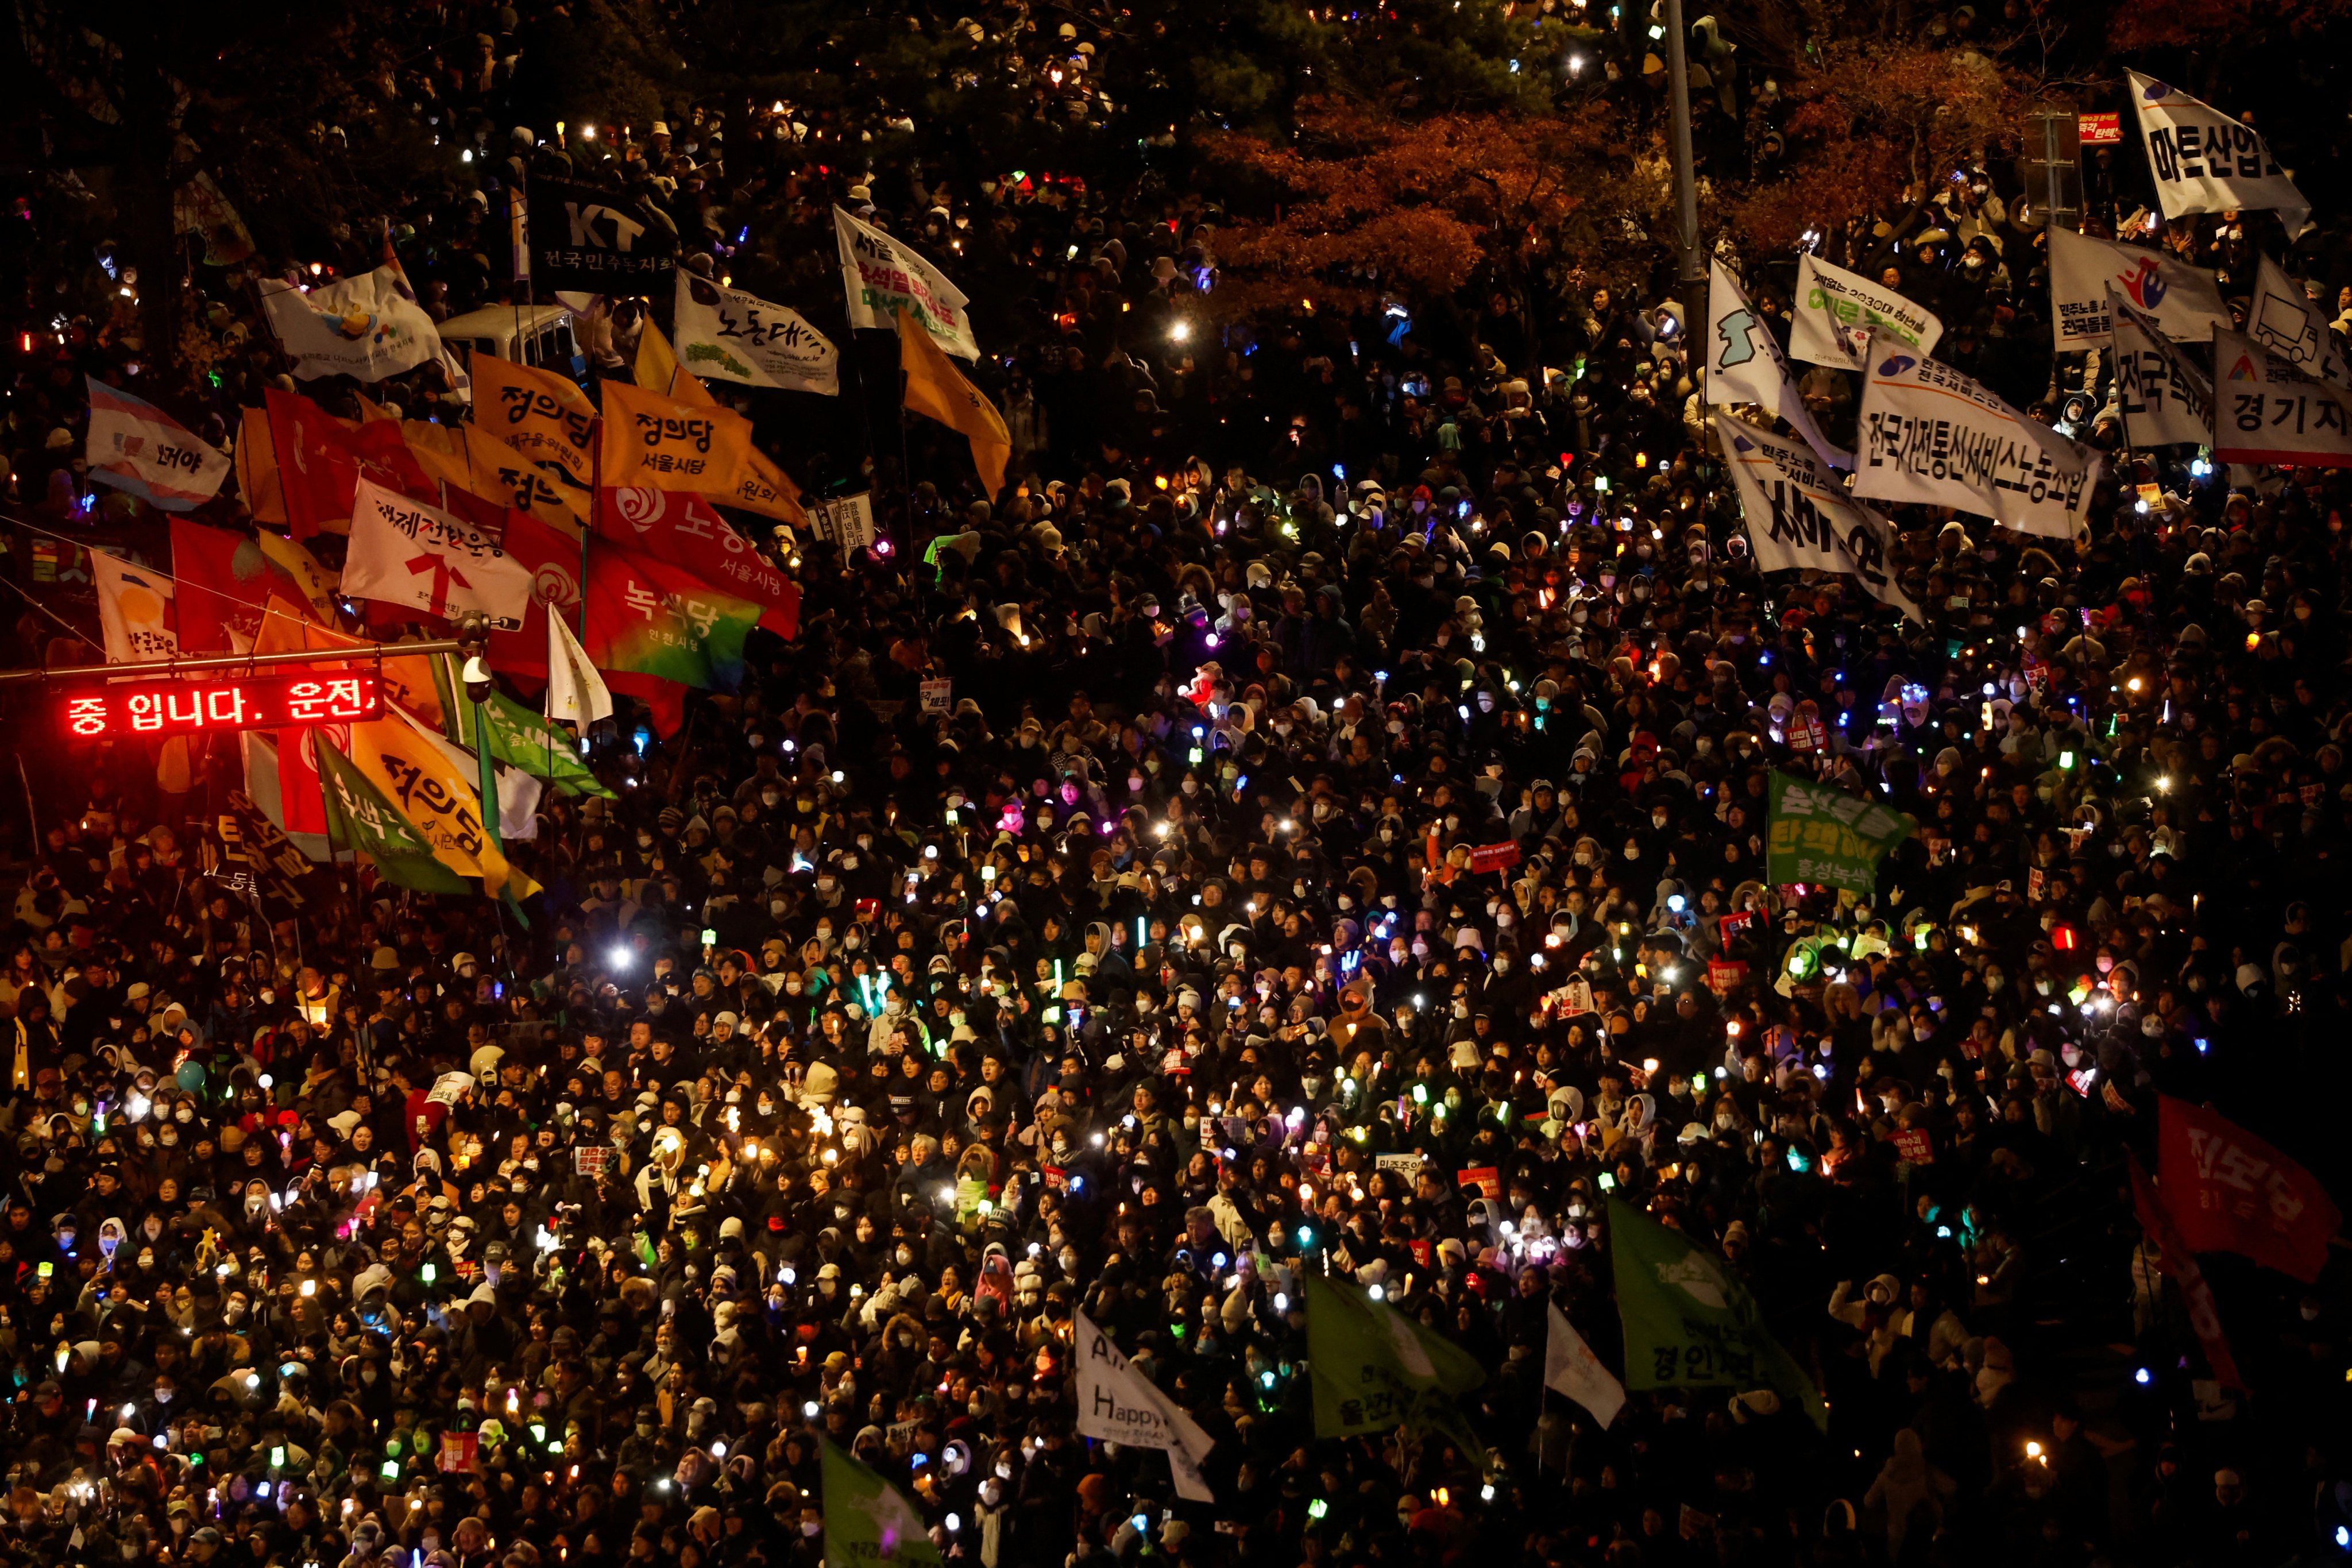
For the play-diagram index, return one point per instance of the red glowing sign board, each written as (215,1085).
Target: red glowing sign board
(243,702)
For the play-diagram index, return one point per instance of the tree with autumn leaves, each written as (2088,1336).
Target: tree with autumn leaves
(1816,112)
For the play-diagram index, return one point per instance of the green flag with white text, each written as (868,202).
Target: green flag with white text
(867,1520)
(360,817)
(527,742)
(1373,1368)
(1821,834)
(1689,1322)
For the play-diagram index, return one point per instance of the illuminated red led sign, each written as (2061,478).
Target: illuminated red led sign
(245,702)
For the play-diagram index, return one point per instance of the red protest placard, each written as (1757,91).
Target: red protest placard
(1914,1144)
(1488,1182)
(1495,857)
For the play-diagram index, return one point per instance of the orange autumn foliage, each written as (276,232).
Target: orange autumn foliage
(1872,126)
(1363,206)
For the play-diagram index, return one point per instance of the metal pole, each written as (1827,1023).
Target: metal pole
(1692,267)
(165,668)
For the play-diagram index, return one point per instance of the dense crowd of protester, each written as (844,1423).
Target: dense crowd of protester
(1342,849)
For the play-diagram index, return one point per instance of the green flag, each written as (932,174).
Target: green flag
(1688,1322)
(1825,835)
(359,817)
(1373,1368)
(867,1520)
(527,742)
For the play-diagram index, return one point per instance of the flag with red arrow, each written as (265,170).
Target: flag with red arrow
(405,553)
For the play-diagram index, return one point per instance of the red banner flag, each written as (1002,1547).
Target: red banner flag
(320,460)
(223,581)
(2228,1191)
(684,529)
(2179,1264)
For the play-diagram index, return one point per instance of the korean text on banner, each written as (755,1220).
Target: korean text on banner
(1817,833)
(665,445)
(882,277)
(597,241)
(1930,434)
(2282,318)
(2266,411)
(738,337)
(1836,311)
(1797,515)
(2184,301)
(2164,398)
(136,447)
(540,415)
(2205,161)
(405,553)
(2229,1191)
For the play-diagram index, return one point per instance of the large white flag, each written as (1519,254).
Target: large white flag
(136,447)
(1119,1405)
(2282,318)
(1572,1369)
(1744,364)
(883,276)
(2266,411)
(1836,309)
(575,689)
(135,610)
(1797,514)
(739,337)
(367,327)
(403,551)
(2184,301)
(1930,434)
(2163,397)
(2205,161)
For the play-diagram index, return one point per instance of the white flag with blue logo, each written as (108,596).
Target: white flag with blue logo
(2205,161)
(1744,364)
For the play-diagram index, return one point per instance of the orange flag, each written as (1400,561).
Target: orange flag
(934,386)
(666,445)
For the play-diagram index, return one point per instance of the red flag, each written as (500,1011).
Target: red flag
(2179,1264)
(223,581)
(320,460)
(316,469)
(553,562)
(2231,1192)
(684,529)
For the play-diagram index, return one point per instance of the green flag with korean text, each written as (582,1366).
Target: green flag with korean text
(648,618)
(1689,1322)
(525,741)
(1373,1368)
(360,817)
(1823,836)
(868,1520)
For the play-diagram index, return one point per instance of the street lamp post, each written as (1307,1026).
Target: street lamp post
(1691,267)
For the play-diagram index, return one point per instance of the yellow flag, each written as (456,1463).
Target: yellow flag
(542,415)
(934,386)
(461,456)
(446,807)
(658,371)
(767,489)
(257,469)
(665,445)
(317,583)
